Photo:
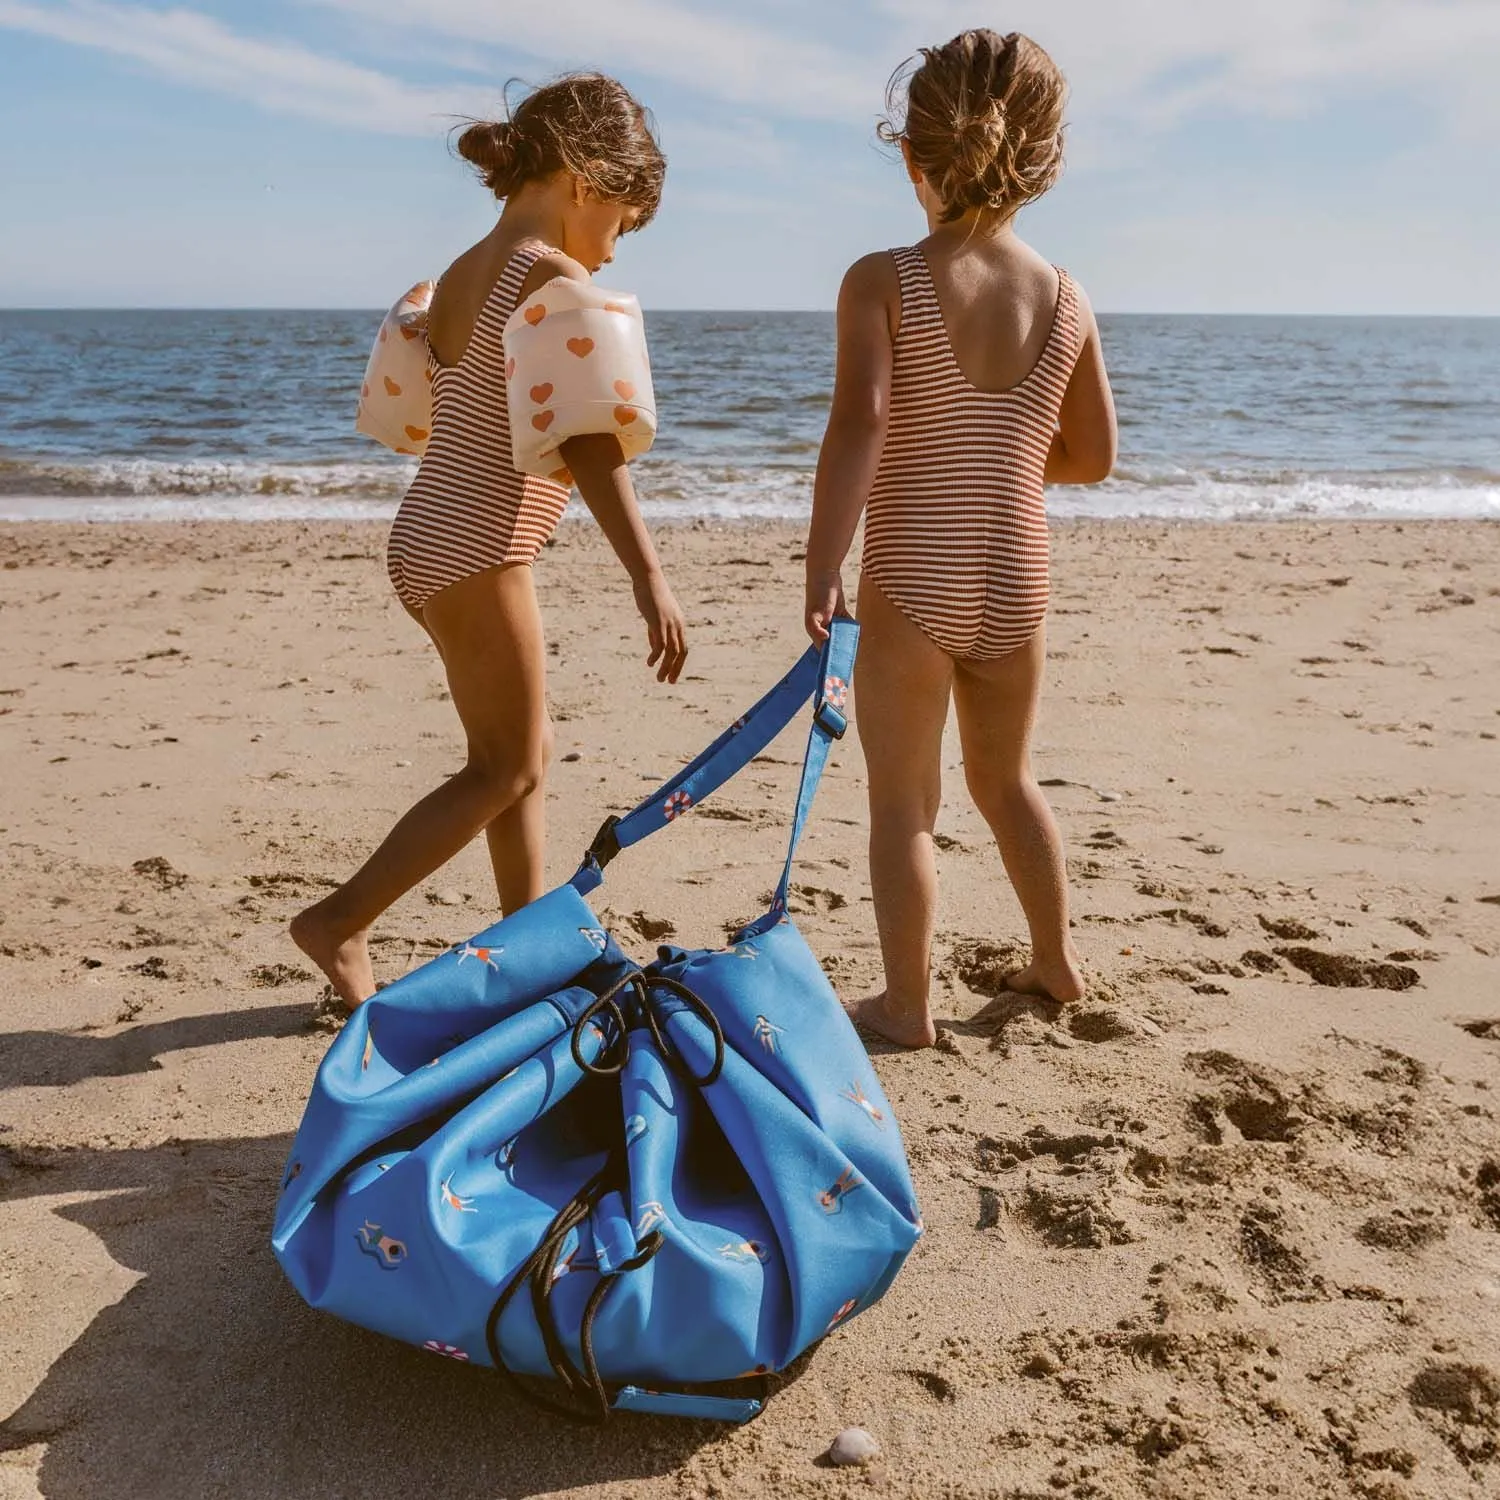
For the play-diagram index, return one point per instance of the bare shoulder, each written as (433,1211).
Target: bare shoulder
(872,278)
(550,267)
(1087,324)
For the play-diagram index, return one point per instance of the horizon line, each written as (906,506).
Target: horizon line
(378,312)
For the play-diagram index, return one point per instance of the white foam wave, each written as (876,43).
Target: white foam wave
(151,490)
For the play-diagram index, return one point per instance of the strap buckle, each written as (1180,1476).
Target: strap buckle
(606,844)
(830,720)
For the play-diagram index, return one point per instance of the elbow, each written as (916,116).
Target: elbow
(1093,463)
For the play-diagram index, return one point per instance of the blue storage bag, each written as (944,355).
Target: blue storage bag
(637,1183)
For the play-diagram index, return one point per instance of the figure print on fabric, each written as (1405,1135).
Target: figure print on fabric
(677,804)
(835,692)
(369,1052)
(745,1250)
(486,956)
(743,950)
(652,1214)
(293,1172)
(766,1034)
(831,1199)
(856,1095)
(452,1351)
(840,1315)
(597,936)
(506,1154)
(574,1260)
(454,1200)
(374,1241)
(635,1128)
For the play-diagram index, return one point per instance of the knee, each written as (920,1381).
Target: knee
(997,790)
(503,780)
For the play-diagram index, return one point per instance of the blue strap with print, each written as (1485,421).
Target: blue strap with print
(822,673)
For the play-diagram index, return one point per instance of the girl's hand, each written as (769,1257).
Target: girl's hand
(825,602)
(666,629)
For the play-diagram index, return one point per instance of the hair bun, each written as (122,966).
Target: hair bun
(982,119)
(979,138)
(495,147)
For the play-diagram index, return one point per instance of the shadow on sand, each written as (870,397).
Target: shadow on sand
(54,1059)
(210,1378)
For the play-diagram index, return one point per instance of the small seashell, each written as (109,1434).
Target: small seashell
(853,1446)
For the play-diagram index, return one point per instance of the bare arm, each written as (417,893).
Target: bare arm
(869,303)
(597,464)
(1086,442)
(603,478)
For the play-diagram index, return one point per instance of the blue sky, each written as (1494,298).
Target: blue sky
(1265,156)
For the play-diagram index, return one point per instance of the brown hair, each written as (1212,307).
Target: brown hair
(982,116)
(584,123)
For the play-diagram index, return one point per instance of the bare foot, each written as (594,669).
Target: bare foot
(874,1014)
(1059,980)
(345,960)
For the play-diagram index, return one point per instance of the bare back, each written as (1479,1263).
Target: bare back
(999,301)
(466,286)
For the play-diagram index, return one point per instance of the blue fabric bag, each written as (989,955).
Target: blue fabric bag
(531,1153)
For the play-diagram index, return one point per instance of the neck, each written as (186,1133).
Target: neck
(988,224)
(534,213)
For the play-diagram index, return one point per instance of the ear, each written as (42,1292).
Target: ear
(912,169)
(582,192)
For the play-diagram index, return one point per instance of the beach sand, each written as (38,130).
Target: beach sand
(1231,1227)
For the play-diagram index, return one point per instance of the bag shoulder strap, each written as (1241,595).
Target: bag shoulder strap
(822,673)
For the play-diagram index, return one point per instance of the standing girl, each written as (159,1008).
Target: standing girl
(576,166)
(969,373)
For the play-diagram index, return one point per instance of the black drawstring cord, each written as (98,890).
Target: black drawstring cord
(700,1008)
(608,1004)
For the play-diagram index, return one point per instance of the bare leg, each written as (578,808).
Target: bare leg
(996,702)
(517,841)
(901,683)
(517,838)
(489,632)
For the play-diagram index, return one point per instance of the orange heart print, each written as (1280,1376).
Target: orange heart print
(561,476)
(510,368)
(391,388)
(534,315)
(416,434)
(364,390)
(543,420)
(409,333)
(624,390)
(625,415)
(541,394)
(616,307)
(581,347)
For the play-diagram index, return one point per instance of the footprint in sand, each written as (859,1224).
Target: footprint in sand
(1341,971)
(1461,1403)
(273,976)
(1402,1230)
(807,900)
(1288,929)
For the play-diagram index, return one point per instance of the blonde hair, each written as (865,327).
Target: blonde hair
(982,118)
(585,123)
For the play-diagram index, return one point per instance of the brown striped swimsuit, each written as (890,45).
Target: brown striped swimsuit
(956,527)
(469,508)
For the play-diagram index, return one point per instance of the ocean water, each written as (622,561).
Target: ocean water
(140,415)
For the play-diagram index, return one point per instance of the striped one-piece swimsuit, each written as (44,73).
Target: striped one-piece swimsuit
(956,527)
(469,508)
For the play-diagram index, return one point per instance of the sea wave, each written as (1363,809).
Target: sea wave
(138,489)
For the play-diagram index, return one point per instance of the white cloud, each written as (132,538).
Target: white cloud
(720,54)
(1157,62)
(279,76)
